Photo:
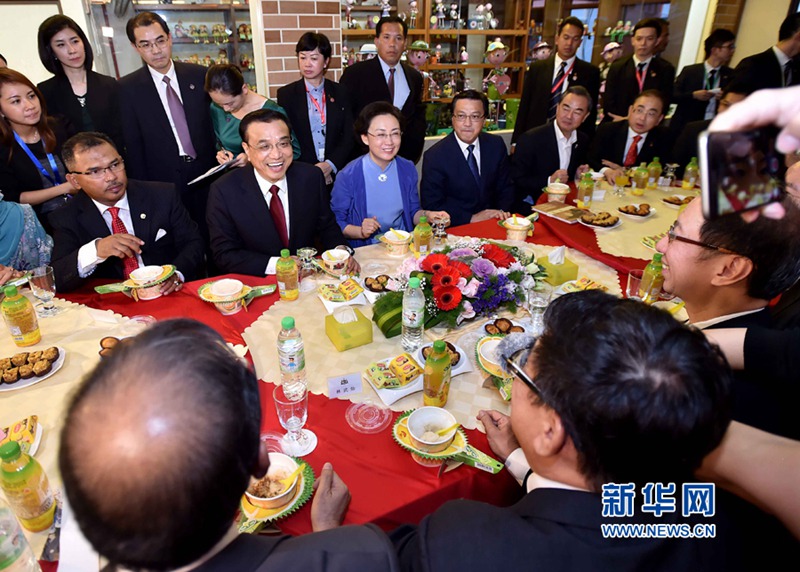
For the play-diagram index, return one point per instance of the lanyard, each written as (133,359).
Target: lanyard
(321,108)
(640,76)
(557,87)
(42,170)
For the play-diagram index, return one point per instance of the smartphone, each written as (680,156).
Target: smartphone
(739,171)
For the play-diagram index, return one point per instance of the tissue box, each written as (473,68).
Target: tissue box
(557,274)
(349,335)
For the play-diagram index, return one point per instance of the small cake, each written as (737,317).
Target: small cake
(33,357)
(50,354)
(42,367)
(11,375)
(19,359)
(5,363)
(109,342)
(26,371)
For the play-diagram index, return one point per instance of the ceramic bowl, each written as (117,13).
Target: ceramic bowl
(517,230)
(430,419)
(280,466)
(397,242)
(335,261)
(557,192)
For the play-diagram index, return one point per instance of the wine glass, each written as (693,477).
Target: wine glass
(292,413)
(307,271)
(43,284)
(633,291)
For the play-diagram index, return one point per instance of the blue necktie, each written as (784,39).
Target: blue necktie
(556,91)
(473,164)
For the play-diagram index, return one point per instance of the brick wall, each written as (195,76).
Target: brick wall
(284,22)
(728,15)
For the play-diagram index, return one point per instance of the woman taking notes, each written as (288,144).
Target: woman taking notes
(378,191)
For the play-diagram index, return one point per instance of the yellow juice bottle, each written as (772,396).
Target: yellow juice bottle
(20,317)
(287,275)
(436,377)
(26,488)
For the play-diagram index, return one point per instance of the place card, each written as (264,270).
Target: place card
(344,385)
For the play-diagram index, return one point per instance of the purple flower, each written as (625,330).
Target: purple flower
(461,252)
(483,268)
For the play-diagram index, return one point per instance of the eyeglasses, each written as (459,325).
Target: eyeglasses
(462,117)
(100,172)
(671,236)
(159,42)
(516,364)
(383,136)
(282,145)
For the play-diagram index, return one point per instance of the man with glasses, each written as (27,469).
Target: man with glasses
(273,203)
(699,87)
(620,145)
(115,225)
(467,174)
(555,152)
(166,117)
(727,271)
(613,392)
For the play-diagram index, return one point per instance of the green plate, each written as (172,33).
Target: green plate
(255,518)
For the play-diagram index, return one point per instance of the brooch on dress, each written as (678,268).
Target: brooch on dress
(383,178)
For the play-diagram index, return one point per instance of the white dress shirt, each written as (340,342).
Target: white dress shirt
(711,321)
(518,466)
(783,59)
(161,88)
(567,68)
(711,108)
(283,193)
(637,61)
(401,88)
(476,151)
(564,146)
(87,254)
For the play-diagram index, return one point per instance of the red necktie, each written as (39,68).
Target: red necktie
(633,152)
(278,215)
(391,84)
(130,263)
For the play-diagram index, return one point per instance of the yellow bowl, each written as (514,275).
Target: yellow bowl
(280,466)
(430,419)
(397,242)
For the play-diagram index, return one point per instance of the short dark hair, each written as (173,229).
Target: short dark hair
(717,39)
(655,94)
(580,91)
(81,142)
(226,78)
(311,41)
(642,397)
(472,94)
(171,513)
(569,21)
(649,23)
(391,20)
(771,245)
(49,28)
(373,110)
(143,19)
(789,27)
(263,115)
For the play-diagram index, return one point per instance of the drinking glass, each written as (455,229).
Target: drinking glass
(439,226)
(292,415)
(43,284)
(305,255)
(634,283)
(307,271)
(620,182)
(538,300)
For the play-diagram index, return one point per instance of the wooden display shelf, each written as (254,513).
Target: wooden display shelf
(434,67)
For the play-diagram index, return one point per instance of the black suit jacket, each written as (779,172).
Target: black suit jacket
(535,100)
(243,236)
(691,79)
(448,185)
(154,207)
(102,102)
(365,83)
(536,158)
(686,145)
(151,149)
(622,89)
(339,138)
(609,143)
(761,71)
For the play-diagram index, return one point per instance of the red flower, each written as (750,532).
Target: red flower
(446,297)
(447,276)
(434,262)
(462,268)
(497,255)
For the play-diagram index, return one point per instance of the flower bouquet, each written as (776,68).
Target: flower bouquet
(470,278)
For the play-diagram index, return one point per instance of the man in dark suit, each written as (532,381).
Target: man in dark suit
(623,144)
(555,152)
(699,86)
(448,181)
(776,66)
(641,71)
(115,225)
(166,121)
(726,271)
(256,211)
(545,84)
(570,428)
(178,483)
(386,78)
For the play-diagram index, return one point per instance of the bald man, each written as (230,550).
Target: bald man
(179,414)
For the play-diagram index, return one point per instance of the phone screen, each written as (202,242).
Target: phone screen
(740,170)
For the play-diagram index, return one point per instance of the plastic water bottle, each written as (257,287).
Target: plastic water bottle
(15,552)
(413,315)
(292,357)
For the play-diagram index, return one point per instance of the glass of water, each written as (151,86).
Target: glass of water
(538,300)
(292,414)
(43,284)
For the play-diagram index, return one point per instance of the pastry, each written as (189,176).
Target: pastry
(33,357)
(19,359)
(42,367)
(678,201)
(26,371)
(50,353)
(602,219)
(491,329)
(109,342)
(640,210)
(503,325)
(5,363)
(11,375)
(516,330)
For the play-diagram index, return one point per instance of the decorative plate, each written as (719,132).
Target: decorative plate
(403,437)
(600,228)
(254,518)
(23,383)
(636,216)
(487,366)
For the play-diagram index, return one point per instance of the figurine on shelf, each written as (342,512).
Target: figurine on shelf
(222,57)
(479,16)
(488,17)
(348,9)
(203,33)
(417,54)
(449,89)
(440,11)
(412,8)
(455,15)
(193,33)
(244,61)
(193,59)
(464,55)
(241,29)
(541,51)
(207,61)
(497,82)
(385,8)
(180,31)
(628,27)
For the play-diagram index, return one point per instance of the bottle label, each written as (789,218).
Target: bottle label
(413,317)
(293,363)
